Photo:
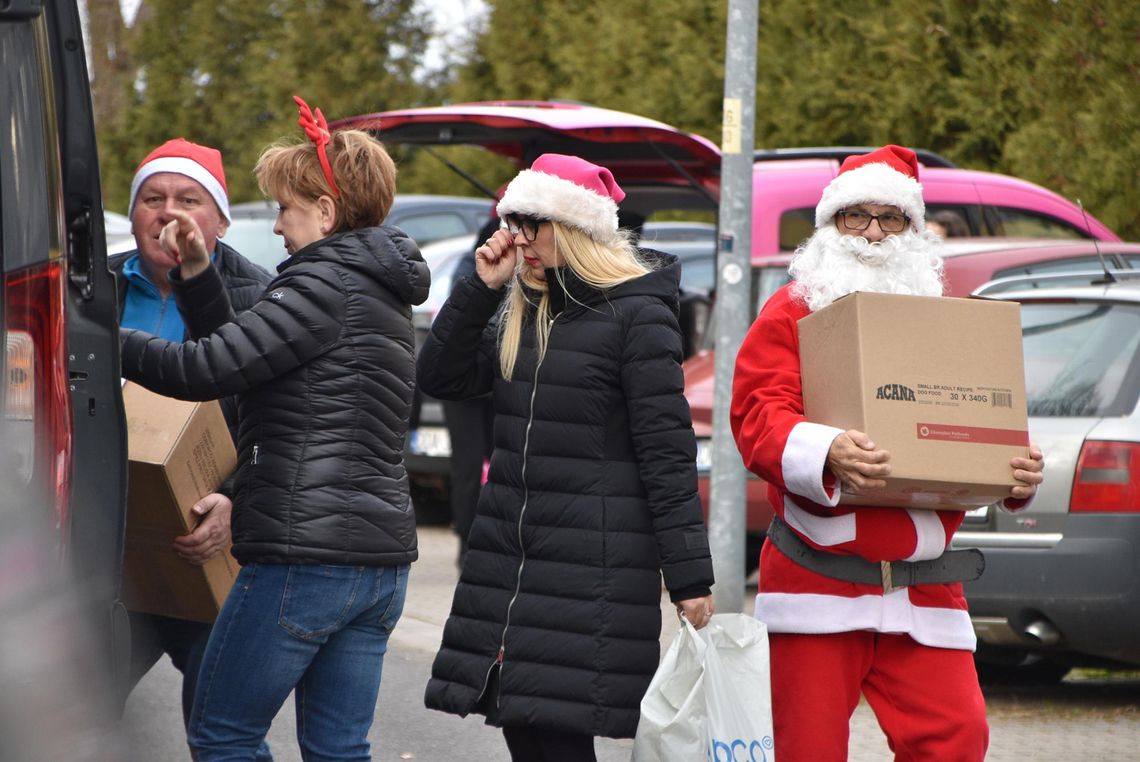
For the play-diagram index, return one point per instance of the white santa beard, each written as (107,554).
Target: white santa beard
(830,265)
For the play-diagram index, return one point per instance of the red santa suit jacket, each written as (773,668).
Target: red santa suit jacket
(778,444)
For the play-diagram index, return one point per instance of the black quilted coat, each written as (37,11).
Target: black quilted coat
(323,368)
(592,495)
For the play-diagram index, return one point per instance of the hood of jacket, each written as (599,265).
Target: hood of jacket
(387,253)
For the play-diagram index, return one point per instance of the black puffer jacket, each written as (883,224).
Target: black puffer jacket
(592,494)
(323,367)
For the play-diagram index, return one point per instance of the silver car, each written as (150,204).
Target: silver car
(1062,581)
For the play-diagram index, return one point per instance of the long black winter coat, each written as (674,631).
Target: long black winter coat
(323,367)
(592,494)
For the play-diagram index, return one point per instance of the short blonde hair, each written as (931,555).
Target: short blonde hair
(364,172)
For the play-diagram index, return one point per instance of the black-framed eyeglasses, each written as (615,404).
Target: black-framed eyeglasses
(527,225)
(889,222)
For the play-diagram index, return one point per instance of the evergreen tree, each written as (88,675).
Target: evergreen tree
(1042,89)
(222,72)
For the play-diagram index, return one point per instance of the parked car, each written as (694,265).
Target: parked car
(969,262)
(63,452)
(1061,587)
(665,170)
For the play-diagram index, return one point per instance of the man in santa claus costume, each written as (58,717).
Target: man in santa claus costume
(840,625)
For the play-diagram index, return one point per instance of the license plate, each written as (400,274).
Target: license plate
(431,441)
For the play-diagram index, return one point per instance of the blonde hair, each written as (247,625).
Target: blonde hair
(600,265)
(364,172)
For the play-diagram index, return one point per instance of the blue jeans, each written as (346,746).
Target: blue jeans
(321,630)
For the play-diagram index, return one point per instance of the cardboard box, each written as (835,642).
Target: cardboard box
(938,382)
(179,453)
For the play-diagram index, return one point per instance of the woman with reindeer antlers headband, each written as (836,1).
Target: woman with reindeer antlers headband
(323,369)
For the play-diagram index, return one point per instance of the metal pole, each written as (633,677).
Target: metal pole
(734,260)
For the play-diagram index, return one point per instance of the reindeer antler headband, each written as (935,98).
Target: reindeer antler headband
(318,131)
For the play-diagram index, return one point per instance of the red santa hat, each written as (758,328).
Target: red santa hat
(181,157)
(888,175)
(567,189)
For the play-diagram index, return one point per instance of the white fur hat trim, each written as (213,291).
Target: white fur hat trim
(549,197)
(872,184)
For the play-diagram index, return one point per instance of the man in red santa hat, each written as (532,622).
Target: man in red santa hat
(185,180)
(839,625)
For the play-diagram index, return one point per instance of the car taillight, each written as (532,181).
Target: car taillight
(1107,478)
(37,406)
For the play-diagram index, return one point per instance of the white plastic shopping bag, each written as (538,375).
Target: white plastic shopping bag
(673,724)
(711,697)
(738,690)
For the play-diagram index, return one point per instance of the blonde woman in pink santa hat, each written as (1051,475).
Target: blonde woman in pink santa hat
(592,490)
(840,623)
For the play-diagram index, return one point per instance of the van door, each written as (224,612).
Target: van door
(62,441)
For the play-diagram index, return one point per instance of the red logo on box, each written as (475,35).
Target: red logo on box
(950,432)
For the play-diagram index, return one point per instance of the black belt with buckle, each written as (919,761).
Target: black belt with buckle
(951,566)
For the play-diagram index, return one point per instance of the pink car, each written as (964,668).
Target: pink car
(663,169)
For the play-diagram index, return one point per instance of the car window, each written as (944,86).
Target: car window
(1020,223)
(653,231)
(796,226)
(959,220)
(1081,358)
(425,228)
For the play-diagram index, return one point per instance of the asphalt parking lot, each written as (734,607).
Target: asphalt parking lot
(1089,716)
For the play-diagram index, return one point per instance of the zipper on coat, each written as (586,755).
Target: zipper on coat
(522,514)
(256,450)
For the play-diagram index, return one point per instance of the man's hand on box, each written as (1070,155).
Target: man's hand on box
(856,463)
(212,535)
(1029,471)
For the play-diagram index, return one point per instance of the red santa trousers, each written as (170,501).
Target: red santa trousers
(927,700)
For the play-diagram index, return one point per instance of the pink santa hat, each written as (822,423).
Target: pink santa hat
(569,190)
(888,175)
(181,157)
